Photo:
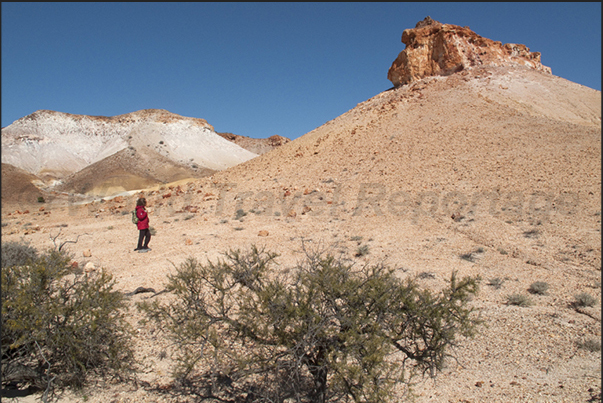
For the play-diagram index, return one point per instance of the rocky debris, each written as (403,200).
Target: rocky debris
(436,49)
(257,146)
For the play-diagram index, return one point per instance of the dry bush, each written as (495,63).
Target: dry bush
(323,331)
(57,326)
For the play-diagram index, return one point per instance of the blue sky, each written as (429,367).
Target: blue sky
(254,69)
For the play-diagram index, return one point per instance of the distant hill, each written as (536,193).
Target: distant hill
(18,187)
(120,152)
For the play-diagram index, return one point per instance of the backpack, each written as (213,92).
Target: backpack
(134,217)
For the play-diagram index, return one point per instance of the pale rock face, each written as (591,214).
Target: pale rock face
(53,144)
(436,49)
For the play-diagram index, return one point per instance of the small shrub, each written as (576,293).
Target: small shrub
(188,217)
(472,256)
(584,299)
(58,326)
(356,238)
(240,213)
(539,287)
(496,283)
(41,199)
(17,254)
(362,251)
(518,300)
(468,257)
(153,231)
(592,345)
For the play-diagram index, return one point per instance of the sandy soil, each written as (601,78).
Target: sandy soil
(503,161)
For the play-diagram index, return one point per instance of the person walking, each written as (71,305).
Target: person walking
(144,235)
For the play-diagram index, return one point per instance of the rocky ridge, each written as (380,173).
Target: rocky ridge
(257,146)
(434,49)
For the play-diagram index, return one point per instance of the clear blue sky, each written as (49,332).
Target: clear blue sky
(254,69)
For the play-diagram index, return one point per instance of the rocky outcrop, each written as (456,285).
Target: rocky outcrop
(436,49)
(257,146)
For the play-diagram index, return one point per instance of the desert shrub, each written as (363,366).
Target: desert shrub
(584,299)
(539,287)
(322,331)
(592,345)
(362,251)
(58,327)
(472,256)
(533,233)
(240,213)
(153,231)
(496,282)
(17,254)
(519,300)
(41,199)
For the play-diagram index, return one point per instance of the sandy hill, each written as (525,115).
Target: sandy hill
(126,170)
(483,167)
(18,187)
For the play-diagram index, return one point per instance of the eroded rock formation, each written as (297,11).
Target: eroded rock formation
(436,49)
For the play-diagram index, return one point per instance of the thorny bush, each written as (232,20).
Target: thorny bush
(324,331)
(59,326)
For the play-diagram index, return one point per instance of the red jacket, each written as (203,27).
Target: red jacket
(143,218)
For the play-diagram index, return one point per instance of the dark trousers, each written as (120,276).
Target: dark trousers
(144,236)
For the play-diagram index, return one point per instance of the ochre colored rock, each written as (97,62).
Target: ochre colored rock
(436,49)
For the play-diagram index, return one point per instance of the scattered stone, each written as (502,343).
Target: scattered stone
(87,253)
(89,267)
(263,233)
